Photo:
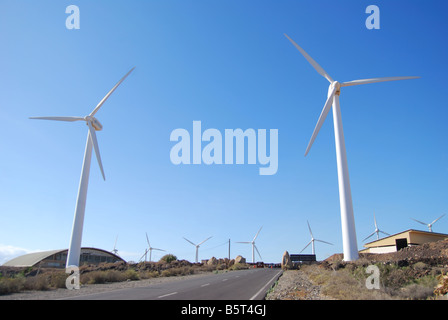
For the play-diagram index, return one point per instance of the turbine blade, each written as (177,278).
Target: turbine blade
(309,228)
(321,120)
(258,252)
(323,241)
(243,242)
(109,93)
(147,240)
(437,219)
(420,222)
(369,236)
(374,80)
(316,66)
(158,249)
(95,146)
(190,242)
(146,251)
(384,232)
(204,241)
(306,246)
(69,119)
(115,244)
(374,219)
(257,234)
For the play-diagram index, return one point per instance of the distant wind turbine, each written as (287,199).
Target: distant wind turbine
(93,124)
(115,250)
(377,230)
(313,239)
(429,225)
(350,246)
(149,249)
(197,246)
(254,247)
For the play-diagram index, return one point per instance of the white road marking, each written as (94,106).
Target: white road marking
(204,285)
(166,295)
(225,279)
(264,287)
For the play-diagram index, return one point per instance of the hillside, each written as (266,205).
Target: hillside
(417,273)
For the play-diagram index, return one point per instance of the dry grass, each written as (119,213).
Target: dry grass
(347,281)
(342,285)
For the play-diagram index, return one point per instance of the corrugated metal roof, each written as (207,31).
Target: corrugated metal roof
(30,259)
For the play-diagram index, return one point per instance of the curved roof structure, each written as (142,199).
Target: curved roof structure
(56,258)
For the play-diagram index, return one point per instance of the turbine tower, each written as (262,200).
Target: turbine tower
(254,247)
(197,246)
(429,225)
(149,249)
(312,240)
(377,230)
(93,124)
(350,246)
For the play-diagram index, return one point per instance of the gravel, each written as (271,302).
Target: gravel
(295,285)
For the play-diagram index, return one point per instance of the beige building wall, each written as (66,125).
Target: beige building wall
(413,237)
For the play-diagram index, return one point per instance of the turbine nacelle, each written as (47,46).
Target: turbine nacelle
(337,88)
(95,123)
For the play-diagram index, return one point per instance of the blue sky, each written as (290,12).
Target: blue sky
(228,65)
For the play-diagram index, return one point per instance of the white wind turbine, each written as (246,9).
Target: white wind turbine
(429,225)
(93,125)
(197,246)
(115,250)
(312,240)
(254,247)
(377,230)
(350,246)
(149,249)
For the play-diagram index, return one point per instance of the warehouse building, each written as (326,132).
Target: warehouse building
(401,240)
(58,258)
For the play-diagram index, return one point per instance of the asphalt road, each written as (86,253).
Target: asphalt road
(249,284)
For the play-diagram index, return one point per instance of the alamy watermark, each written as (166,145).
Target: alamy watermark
(373,281)
(373,20)
(189,149)
(73,21)
(72,281)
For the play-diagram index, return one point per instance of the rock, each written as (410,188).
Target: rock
(240,259)
(286,261)
(212,261)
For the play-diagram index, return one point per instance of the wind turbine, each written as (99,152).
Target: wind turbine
(254,247)
(93,125)
(115,251)
(429,225)
(350,246)
(149,249)
(312,240)
(197,246)
(377,230)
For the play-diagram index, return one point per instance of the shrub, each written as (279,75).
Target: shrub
(57,279)
(39,282)
(131,274)
(416,292)
(168,258)
(11,285)
(96,277)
